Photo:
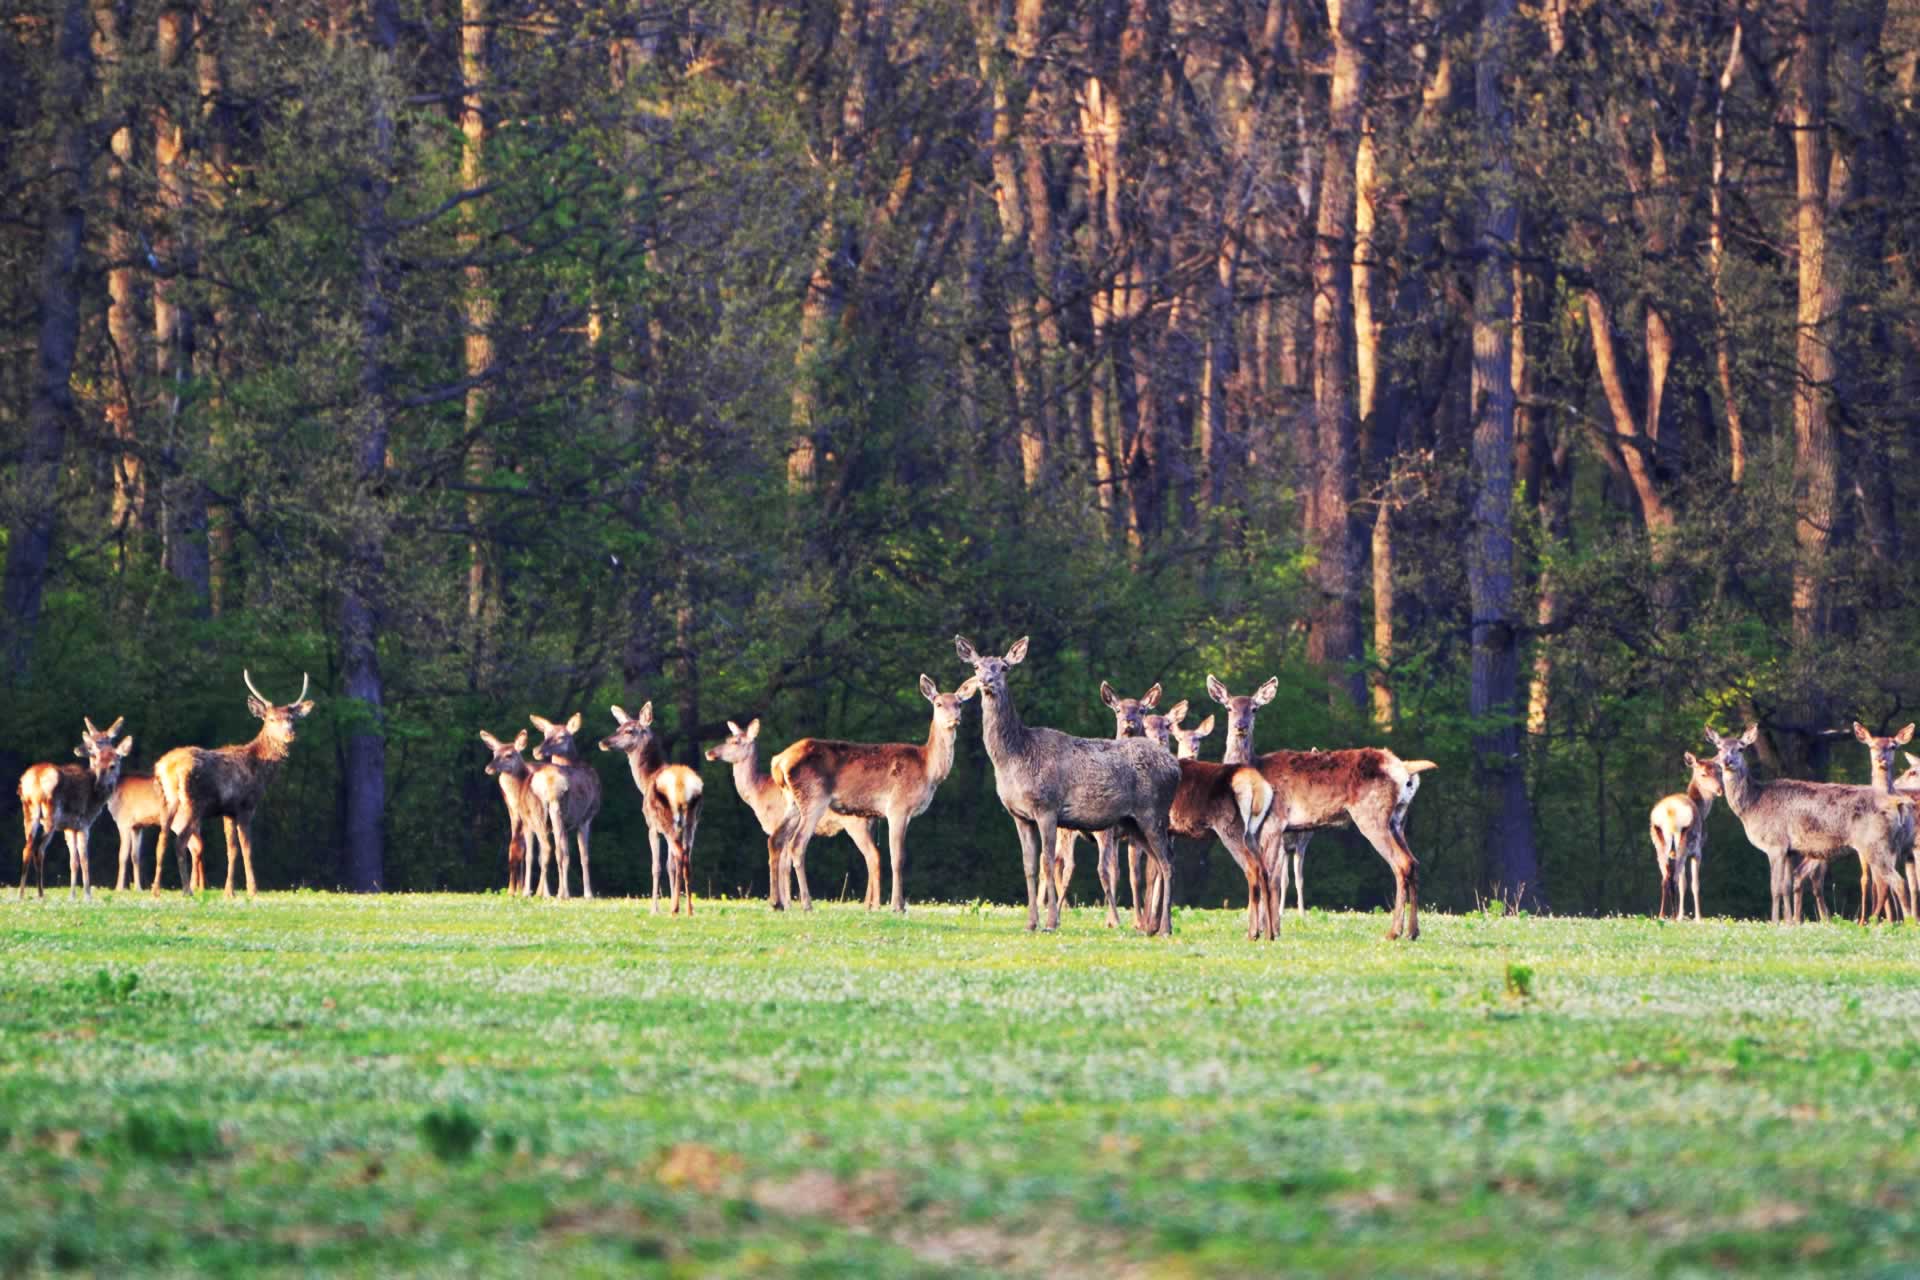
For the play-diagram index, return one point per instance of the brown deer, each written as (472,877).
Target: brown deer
(1367,787)
(568,792)
(526,815)
(1880,758)
(136,804)
(1228,802)
(763,795)
(891,780)
(67,798)
(670,797)
(1292,862)
(1130,720)
(197,783)
(1678,825)
(1047,780)
(1794,822)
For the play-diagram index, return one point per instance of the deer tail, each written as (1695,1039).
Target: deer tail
(1253,795)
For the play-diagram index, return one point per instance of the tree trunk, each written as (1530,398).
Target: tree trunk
(210,365)
(1513,871)
(183,501)
(1334,635)
(50,403)
(366,764)
(1716,259)
(476,52)
(126,350)
(1815,458)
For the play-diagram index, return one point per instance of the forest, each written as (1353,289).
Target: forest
(1526,385)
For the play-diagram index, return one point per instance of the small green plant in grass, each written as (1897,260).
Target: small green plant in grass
(164,1136)
(1519,982)
(451,1134)
(112,990)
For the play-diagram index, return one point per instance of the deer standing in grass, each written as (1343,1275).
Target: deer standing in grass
(1131,719)
(197,783)
(1047,780)
(670,798)
(1228,802)
(526,815)
(891,780)
(568,792)
(1678,825)
(764,796)
(1880,756)
(136,804)
(67,798)
(1795,823)
(1367,787)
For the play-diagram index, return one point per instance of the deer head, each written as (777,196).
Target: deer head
(948,707)
(738,744)
(506,755)
(1705,775)
(279,723)
(1160,728)
(634,733)
(991,673)
(1186,742)
(1129,714)
(1240,711)
(104,758)
(1730,755)
(1880,750)
(556,740)
(97,738)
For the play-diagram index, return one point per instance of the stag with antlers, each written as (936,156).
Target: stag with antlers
(197,783)
(68,798)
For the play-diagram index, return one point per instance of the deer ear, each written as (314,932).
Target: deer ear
(1150,697)
(1264,694)
(1860,732)
(257,707)
(541,723)
(1017,654)
(91,731)
(81,752)
(928,689)
(646,715)
(1204,728)
(574,722)
(124,747)
(120,720)
(302,710)
(1216,690)
(1108,696)
(753,728)
(1913,761)
(520,740)
(1905,735)
(619,715)
(1688,757)
(964,647)
(493,743)
(1177,712)
(966,691)
(1712,737)
(1751,736)
(733,728)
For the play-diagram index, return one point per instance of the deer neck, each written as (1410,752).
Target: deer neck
(1000,726)
(748,778)
(266,751)
(1739,790)
(645,760)
(1702,802)
(1239,748)
(1882,776)
(939,751)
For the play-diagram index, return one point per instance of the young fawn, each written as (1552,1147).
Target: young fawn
(1678,825)
(67,798)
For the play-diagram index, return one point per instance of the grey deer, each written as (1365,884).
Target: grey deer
(741,749)
(1132,718)
(671,796)
(67,799)
(1880,751)
(1369,787)
(569,793)
(197,783)
(1047,780)
(890,780)
(1797,823)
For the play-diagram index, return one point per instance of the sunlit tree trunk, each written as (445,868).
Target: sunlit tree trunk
(1815,455)
(127,353)
(476,54)
(183,499)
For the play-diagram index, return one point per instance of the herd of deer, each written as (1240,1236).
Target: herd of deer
(1144,785)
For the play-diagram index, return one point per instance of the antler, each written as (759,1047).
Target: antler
(91,731)
(245,675)
(303,688)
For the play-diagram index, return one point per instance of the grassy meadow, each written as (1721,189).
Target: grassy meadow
(482,1085)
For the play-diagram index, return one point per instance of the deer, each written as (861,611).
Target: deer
(568,792)
(68,798)
(526,815)
(670,798)
(741,749)
(136,803)
(892,780)
(1293,853)
(1794,823)
(1880,759)
(197,783)
(1367,787)
(1047,779)
(1228,802)
(1678,826)
(1131,719)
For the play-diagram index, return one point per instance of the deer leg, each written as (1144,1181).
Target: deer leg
(1388,841)
(120,873)
(1106,864)
(1299,842)
(233,853)
(1135,876)
(897,848)
(1160,856)
(160,849)
(1694,865)
(1030,860)
(73,864)
(807,805)
(82,839)
(562,853)
(26,848)
(1065,845)
(245,831)
(1047,838)
(860,831)
(1234,839)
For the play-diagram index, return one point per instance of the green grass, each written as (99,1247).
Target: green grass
(479,1084)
